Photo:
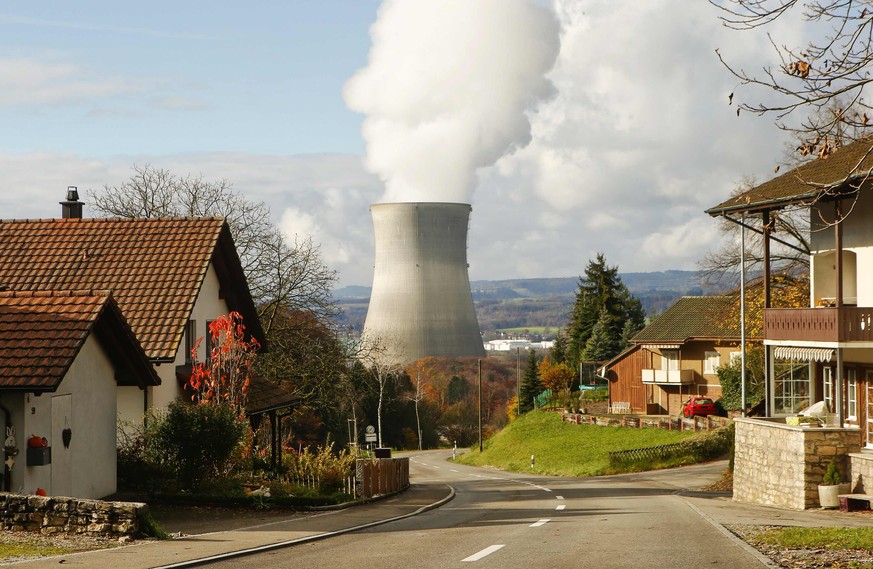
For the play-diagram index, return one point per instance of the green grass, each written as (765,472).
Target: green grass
(827,538)
(563,449)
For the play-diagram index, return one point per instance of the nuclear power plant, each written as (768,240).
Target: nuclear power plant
(421,304)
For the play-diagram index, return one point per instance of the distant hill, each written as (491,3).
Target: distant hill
(519,303)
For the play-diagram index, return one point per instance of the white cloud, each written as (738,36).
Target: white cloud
(29,81)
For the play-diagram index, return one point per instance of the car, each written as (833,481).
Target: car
(699,407)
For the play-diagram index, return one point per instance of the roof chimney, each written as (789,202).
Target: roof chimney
(71,208)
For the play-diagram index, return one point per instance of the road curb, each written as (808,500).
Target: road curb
(289,543)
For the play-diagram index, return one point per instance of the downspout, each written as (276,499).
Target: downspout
(743,314)
(770,389)
(838,246)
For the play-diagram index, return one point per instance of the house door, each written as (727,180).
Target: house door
(868,408)
(62,460)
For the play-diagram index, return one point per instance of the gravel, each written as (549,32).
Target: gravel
(804,558)
(66,543)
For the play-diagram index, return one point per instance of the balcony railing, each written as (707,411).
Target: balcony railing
(846,324)
(668,377)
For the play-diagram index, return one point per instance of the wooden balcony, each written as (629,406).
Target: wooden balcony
(846,324)
(668,377)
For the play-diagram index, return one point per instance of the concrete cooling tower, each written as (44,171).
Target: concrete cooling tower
(421,303)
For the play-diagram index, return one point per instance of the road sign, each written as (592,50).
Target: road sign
(370,429)
(370,437)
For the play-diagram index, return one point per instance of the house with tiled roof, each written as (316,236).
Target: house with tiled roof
(820,353)
(62,357)
(675,356)
(170,277)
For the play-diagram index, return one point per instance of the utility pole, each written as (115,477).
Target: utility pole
(517,382)
(480,404)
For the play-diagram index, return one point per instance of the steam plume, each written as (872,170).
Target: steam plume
(447,88)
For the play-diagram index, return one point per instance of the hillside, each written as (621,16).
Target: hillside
(544,302)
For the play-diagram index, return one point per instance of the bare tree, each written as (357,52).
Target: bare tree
(789,253)
(290,284)
(819,87)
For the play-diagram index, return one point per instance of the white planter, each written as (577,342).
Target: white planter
(828,496)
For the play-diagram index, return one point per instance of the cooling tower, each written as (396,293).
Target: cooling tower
(421,303)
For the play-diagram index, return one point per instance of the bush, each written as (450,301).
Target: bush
(832,475)
(328,467)
(197,441)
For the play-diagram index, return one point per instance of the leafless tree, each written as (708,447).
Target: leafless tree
(789,255)
(289,282)
(819,87)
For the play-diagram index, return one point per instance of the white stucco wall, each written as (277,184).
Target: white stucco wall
(87,467)
(207,307)
(857,237)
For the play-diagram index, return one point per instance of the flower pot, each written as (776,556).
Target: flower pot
(828,496)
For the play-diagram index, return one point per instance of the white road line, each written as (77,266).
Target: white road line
(539,523)
(561,507)
(485,552)
(453,470)
(437,467)
(559,497)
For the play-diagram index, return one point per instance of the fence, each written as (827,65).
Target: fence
(650,422)
(380,476)
(659,452)
(349,483)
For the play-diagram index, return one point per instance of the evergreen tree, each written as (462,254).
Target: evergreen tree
(531,386)
(602,300)
(558,353)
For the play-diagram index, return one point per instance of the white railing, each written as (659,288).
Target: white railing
(668,376)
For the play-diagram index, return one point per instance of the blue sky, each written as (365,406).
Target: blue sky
(572,126)
(168,77)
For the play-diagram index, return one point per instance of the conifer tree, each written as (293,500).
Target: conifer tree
(531,386)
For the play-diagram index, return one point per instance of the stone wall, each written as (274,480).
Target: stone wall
(781,465)
(861,472)
(56,514)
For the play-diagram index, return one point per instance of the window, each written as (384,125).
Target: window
(852,395)
(829,388)
(791,387)
(669,360)
(190,339)
(711,362)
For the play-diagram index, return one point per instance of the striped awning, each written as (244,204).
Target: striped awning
(803,354)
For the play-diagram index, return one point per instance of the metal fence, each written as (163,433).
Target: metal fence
(649,421)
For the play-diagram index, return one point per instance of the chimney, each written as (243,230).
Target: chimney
(71,208)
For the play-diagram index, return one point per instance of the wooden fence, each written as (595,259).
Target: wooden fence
(649,421)
(379,476)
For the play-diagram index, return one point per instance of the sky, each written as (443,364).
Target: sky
(572,127)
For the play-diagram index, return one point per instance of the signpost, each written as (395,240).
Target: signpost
(370,434)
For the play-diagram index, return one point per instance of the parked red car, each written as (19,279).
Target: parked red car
(699,406)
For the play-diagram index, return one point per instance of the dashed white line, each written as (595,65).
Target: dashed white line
(561,507)
(540,523)
(485,552)
(559,497)
(453,470)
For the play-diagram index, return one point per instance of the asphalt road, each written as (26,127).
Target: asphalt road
(508,520)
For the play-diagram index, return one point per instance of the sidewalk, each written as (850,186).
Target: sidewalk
(223,534)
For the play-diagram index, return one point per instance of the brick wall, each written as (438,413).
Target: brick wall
(781,465)
(49,515)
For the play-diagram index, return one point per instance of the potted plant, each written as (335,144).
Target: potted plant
(831,487)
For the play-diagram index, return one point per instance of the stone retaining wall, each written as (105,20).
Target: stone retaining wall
(57,514)
(782,465)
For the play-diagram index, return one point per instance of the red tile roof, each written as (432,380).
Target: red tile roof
(153,267)
(839,172)
(42,332)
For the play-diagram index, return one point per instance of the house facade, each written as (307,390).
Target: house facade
(63,355)
(822,352)
(169,276)
(675,357)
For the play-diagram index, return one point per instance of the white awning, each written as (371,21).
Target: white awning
(803,354)
(662,346)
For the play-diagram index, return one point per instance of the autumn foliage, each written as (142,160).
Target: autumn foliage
(226,374)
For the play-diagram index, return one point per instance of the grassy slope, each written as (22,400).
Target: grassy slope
(562,449)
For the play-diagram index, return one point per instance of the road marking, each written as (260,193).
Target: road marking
(437,467)
(540,523)
(484,553)
(561,507)
(559,497)
(453,470)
